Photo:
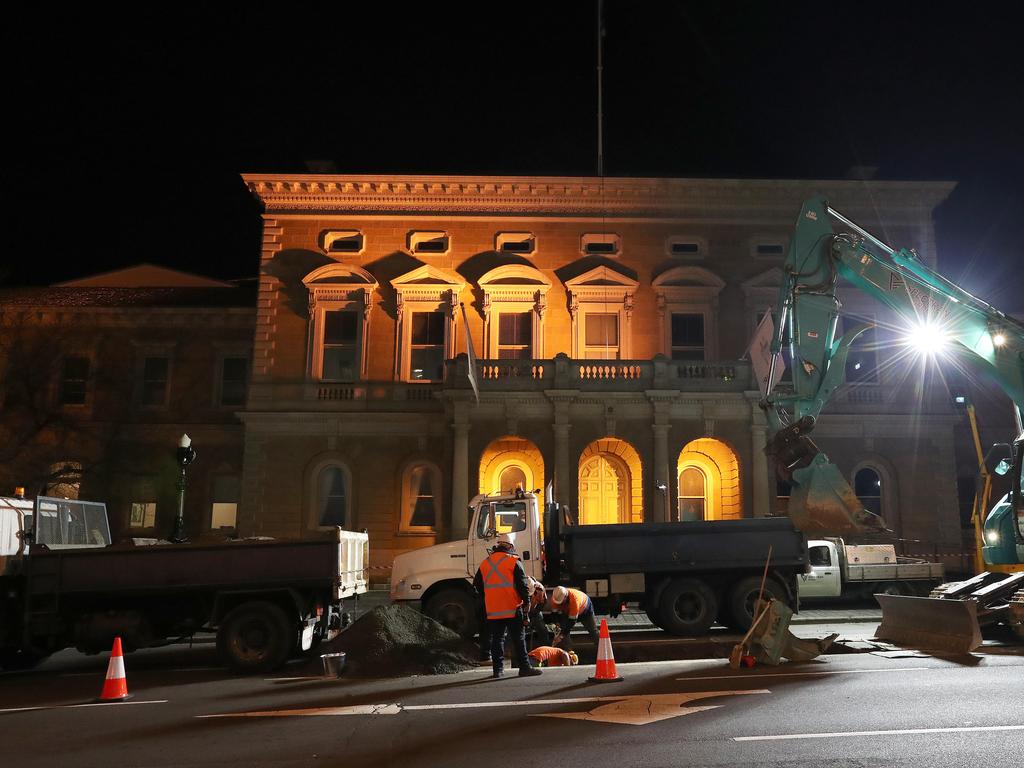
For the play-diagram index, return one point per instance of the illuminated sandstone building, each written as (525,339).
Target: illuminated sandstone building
(610,318)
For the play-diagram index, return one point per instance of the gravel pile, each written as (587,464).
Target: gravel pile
(396,640)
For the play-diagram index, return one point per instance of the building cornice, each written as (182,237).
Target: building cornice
(560,195)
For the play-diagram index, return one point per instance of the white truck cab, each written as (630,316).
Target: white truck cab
(441,576)
(844,570)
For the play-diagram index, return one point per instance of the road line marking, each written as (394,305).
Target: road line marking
(397,708)
(109,704)
(803,674)
(898,732)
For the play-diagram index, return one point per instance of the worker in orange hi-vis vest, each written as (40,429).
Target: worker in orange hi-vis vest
(548,656)
(506,592)
(573,605)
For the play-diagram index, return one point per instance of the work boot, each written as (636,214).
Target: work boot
(497,673)
(529,672)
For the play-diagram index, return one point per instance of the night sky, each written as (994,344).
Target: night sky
(131,131)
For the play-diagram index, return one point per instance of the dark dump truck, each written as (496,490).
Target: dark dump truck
(65,585)
(686,576)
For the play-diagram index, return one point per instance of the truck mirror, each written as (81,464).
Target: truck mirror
(1002,467)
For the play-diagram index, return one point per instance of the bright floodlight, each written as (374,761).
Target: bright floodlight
(999,339)
(928,338)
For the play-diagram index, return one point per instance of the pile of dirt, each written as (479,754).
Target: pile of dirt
(396,640)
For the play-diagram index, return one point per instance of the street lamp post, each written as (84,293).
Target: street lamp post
(186,454)
(668,509)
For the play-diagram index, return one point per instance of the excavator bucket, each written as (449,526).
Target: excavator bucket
(822,503)
(929,623)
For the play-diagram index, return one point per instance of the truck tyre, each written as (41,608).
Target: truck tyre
(687,607)
(743,595)
(255,637)
(456,609)
(655,616)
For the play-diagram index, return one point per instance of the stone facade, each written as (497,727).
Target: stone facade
(610,318)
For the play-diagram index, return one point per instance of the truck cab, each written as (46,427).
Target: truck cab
(441,577)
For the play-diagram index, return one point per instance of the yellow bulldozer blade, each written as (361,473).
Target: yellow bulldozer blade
(822,503)
(929,623)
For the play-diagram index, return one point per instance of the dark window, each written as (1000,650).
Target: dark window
(347,244)
(819,556)
(421,498)
(154,380)
(432,245)
(234,374)
(74,380)
(426,356)
(685,249)
(599,247)
(867,485)
(515,335)
(687,336)
(517,246)
(341,347)
(770,249)
(332,497)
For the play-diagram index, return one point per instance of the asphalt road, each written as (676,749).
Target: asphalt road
(841,710)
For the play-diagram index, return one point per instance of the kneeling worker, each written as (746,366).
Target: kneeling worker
(573,605)
(506,592)
(547,656)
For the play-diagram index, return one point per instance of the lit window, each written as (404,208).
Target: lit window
(224,507)
(429,242)
(142,508)
(601,244)
(692,494)
(512,479)
(349,241)
(421,506)
(341,345)
(332,497)
(234,376)
(74,382)
(154,380)
(64,480)
(515,242)
(687,336)
(601,336)
(426,355)
(515,335)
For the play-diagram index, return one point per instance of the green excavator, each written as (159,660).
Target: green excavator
(944,322)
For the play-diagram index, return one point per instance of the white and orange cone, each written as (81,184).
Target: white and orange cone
(115,687)
(605,658)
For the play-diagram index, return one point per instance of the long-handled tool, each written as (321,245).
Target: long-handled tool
(739,648)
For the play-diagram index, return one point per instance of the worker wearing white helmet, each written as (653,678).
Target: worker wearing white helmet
(573,605)
(506,593)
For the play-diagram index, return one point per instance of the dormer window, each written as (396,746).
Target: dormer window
(515,242)
(601,244)
(429,242)
(685,247)
(346,241)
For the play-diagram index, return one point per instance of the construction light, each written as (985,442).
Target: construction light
(929,338)
(999,339)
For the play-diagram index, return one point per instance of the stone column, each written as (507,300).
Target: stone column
(563,482)
(759,463)
(662,499)
(460,476)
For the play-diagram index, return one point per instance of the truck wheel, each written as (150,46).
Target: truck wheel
(454,608)
(687,607)
(255,637)
(743,595)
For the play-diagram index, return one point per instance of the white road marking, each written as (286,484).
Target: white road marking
(802,674)
(642,710)
(108,704)
(646,709)
(897,732)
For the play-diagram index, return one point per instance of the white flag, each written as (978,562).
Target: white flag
(760,352)
(471,356)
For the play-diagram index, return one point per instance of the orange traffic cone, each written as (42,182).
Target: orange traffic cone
(605,658)
(115,687)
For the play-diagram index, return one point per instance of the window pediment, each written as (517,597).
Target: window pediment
(600,283)
(428,277)
(688,284)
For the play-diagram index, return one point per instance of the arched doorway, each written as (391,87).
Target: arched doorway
(610,483)
(709,482)
(509,463)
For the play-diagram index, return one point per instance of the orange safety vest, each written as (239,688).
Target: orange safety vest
(549,656)
(576,602)
(500,597)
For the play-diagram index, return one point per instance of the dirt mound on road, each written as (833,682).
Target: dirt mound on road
(396,640)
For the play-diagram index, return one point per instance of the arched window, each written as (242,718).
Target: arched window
(512,478)
(692,494)
(332,496)
(867,484)
(421,498)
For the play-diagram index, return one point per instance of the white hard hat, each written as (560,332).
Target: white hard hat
(503,543)
(558,595)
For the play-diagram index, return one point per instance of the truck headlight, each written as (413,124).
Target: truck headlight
(992,537)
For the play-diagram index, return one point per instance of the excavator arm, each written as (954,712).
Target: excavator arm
(936,314)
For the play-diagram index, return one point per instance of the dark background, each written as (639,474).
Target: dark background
(131,130)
